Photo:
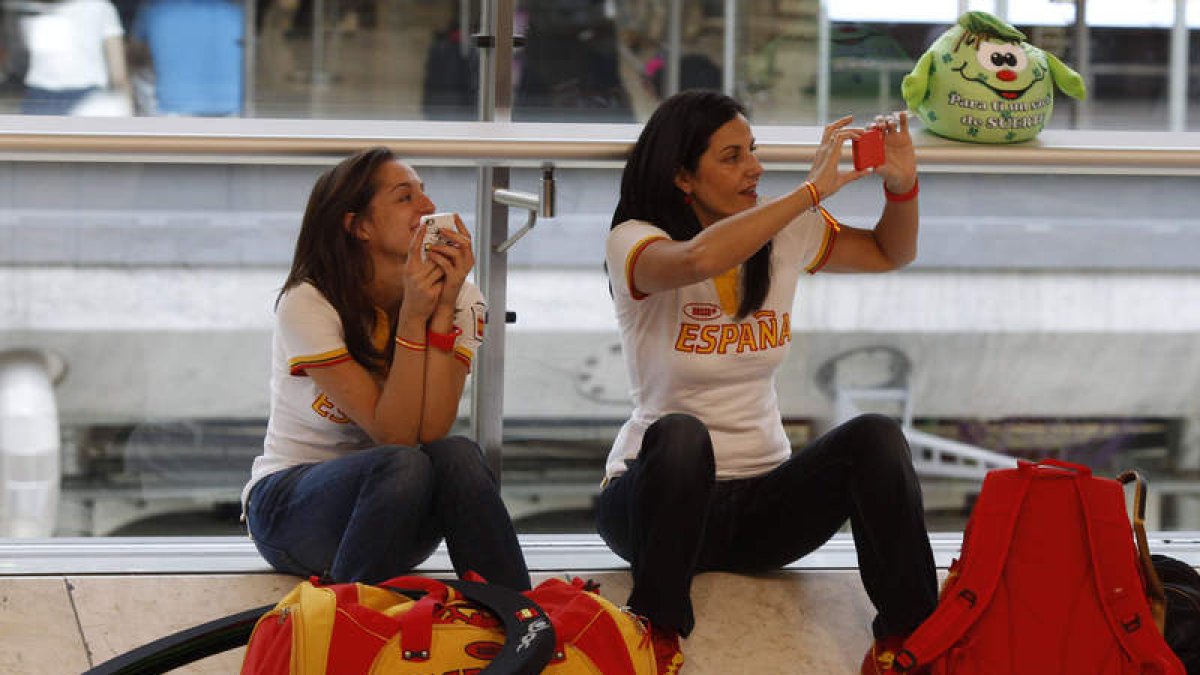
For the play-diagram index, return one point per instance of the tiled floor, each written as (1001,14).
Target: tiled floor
(788,622)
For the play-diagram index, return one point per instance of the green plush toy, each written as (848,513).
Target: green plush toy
(981,82)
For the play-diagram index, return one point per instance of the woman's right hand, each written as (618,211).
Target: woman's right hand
(423,281)
(826,174)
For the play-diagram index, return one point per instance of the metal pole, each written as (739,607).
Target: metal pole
(1083,65)
(729,65)
(1178,85)
(823,62)
(1002,10)
(674,46)
(464,27)
(318,43)
(249,43)
(491,269)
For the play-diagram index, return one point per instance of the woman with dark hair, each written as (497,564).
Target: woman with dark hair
(703,274)
(373,342)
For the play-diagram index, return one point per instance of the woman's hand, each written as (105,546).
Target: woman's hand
(825,173)
(899,168)
(455,259)
(424,281)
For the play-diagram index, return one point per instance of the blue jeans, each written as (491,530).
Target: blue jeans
(374,514)
(39,101)
(671,519)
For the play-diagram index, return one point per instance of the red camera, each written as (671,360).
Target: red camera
(868,150)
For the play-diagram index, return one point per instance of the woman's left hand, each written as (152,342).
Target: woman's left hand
(455,258)
(899,169)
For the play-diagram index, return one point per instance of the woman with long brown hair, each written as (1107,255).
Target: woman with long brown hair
(374,338)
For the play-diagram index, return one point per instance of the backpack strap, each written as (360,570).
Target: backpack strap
(993,520)
(1128,613)
(186,646)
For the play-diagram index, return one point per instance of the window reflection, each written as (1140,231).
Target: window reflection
(188,57)
(73,59)
(579,61)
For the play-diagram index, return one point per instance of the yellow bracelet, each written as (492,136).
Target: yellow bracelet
(813,193)
(409,344)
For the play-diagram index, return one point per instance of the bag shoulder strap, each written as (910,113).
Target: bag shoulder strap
(529,635)
(989,534)
(185,646)
(1118,583)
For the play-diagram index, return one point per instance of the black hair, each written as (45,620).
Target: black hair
(674,138)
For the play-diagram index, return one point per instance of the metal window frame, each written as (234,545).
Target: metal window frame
(543,553)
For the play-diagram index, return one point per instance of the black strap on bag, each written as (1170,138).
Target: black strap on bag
(528,644)
(186,646)
(528,635)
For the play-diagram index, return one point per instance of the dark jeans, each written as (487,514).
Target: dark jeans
(671,519)
(375,514)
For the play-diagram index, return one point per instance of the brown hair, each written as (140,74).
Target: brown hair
(332,259)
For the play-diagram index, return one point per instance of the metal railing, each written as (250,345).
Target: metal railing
(520,144)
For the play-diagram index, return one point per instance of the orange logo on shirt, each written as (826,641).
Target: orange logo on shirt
(764,332)
(325,408)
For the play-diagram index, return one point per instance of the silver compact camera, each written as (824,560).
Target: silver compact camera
(432,226)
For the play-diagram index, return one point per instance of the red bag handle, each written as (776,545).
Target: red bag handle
(1083,471)
(433,587)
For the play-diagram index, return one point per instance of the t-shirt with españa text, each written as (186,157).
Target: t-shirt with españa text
(305,426)
(686,353)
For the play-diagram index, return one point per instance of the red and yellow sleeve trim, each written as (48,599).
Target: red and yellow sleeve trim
(465,355)
(631,260)
(832,227)
(298,365)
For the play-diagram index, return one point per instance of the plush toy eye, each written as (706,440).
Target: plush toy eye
(995,57)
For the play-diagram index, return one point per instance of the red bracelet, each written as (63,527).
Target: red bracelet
(443,341)
(902,197)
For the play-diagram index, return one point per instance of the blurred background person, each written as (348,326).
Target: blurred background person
(76,56)
(194,56)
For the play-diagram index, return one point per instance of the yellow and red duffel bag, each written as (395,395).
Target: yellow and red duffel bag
(415,625)
(401,626)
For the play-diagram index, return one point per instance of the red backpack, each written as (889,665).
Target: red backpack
(1049,581)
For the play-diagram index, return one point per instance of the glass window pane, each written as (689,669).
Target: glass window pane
(151,287)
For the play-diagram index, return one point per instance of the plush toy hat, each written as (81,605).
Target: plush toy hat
(981,82)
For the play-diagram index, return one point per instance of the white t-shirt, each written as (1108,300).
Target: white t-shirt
(305,426)
(685,352)
(66,44)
